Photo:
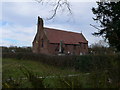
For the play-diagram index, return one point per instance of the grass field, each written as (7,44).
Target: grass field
(11,67)
(94,79)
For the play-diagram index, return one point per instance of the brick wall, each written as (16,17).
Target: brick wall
(73,49)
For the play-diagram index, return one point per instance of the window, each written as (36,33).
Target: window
(42,43)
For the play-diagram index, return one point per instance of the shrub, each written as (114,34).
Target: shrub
(85,63)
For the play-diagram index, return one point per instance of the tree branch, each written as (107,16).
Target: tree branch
(63,4)
(94,26)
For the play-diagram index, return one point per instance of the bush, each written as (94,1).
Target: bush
(85,63)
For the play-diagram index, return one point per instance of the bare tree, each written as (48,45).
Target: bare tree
(57,5)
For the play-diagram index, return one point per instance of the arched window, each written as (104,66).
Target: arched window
(42,44)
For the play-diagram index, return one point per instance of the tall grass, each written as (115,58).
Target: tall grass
(41,82)
(96,79)
(103,69)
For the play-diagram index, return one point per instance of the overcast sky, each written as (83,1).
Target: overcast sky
(19,19)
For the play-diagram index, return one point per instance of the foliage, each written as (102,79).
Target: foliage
(95,72)
(104,79)
(64,61)
(85,63)
(71,82)
(96,50)
(108,14)
(43,82)
(14,49)
(101,48)
(30,76)
(95,79)
(11,83)
(35,81)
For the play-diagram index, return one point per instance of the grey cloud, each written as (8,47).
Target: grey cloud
(22,20)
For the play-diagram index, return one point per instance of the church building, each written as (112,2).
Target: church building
(52,41)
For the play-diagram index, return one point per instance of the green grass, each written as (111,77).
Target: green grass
(95,79)
(11,68)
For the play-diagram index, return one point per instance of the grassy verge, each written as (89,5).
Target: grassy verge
(11,67)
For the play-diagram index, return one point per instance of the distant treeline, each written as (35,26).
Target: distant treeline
(14,49)
(100,49)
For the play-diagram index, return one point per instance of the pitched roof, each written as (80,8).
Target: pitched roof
(55,36)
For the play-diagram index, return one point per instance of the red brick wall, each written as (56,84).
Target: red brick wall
(54,49)
(37,44)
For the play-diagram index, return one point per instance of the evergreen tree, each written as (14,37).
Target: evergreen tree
(108,14)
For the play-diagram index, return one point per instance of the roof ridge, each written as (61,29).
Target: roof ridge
(63,30)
